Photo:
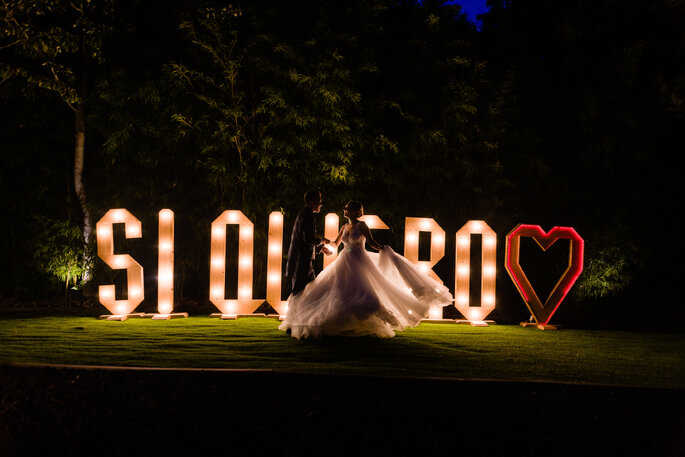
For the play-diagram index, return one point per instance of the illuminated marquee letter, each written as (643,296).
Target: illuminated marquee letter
(412,227)
(373,222)
(333,227)
(274,264)
(543,312)
(134,271)
(475,314)
(165,268)
(217,270)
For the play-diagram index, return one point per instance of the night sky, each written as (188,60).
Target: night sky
(472,7)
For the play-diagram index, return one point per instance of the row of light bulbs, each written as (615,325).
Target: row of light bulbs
(245,303)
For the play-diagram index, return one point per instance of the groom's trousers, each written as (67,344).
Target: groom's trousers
(303,276)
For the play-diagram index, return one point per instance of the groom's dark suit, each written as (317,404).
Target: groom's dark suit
(302,244)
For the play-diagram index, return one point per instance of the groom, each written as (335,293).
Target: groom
(302,243)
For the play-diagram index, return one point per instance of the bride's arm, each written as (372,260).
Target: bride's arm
(340,234)
(369,239)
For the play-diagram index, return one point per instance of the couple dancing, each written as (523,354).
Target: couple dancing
(360,293)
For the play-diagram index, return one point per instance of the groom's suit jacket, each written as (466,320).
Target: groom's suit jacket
(302,244)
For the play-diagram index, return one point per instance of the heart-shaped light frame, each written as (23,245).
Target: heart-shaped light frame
(543,312)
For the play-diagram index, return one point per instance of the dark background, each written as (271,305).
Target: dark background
(547,113)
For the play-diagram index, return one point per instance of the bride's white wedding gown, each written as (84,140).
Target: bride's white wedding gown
(363,293)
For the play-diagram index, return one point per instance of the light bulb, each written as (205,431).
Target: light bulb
(118,215)
(132,231)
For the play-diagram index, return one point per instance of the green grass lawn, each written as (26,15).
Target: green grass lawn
(503,352)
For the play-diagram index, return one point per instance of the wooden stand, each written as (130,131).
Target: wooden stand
(238,316)
(121,317)
(548,327)
(222,316)
(166,317)
(540,326)
(484,323)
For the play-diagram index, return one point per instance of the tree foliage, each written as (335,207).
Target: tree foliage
(51,46)
(58,250)
(554,113)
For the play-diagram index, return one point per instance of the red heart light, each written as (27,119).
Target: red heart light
(542,312)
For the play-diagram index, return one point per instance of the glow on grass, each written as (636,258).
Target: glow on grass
(455,351)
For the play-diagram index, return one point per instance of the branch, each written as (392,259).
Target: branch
(69,104)
(52,70)
(10,45)
(78,10)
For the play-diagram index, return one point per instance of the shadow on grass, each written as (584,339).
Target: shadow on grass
(122,412)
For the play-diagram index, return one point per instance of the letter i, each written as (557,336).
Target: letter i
(165,271)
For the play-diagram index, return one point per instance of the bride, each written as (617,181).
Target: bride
(363,293)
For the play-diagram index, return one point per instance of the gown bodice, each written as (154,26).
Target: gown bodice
(353,239)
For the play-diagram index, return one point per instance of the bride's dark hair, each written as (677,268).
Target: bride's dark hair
(356,206)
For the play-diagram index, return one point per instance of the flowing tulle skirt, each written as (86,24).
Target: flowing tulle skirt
(363,293)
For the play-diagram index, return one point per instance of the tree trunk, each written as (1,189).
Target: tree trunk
(66,290)
(79,159)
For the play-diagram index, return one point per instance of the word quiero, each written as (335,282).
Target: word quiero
(245,303)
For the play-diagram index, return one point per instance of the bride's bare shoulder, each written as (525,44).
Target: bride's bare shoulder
(362,225)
